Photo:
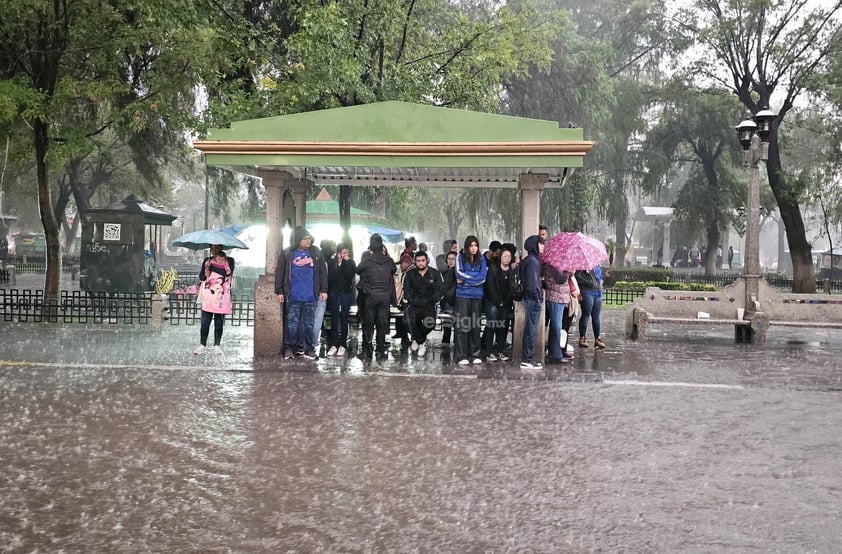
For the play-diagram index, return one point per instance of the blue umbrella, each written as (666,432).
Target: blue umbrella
(199,240)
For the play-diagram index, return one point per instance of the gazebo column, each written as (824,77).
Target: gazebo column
(268,312)
(299,198)
(530,185)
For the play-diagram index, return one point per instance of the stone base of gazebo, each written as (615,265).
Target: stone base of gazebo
(268,318)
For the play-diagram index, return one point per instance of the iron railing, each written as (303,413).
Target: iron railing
(75,307)
(25,306)
(182,309)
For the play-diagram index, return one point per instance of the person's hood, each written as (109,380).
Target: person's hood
(375,244)
(531,245)
(381,259)
(300,233)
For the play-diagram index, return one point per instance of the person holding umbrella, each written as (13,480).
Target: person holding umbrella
(575,251)
(216,273)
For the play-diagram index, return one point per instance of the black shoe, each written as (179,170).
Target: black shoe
(365,354)
(382,356)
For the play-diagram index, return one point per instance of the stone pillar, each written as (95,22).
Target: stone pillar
(299,198)
(156,317)
(531,185)
(268,312)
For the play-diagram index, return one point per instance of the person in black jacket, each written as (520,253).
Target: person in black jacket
(376,271)
(422,289)
(448,301)
(341,274)
(497,298)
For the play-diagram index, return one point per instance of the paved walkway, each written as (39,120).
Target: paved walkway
(689,356)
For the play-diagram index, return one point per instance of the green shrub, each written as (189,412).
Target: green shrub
(642,285)
(637,273)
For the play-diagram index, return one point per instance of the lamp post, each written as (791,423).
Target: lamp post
(754,137)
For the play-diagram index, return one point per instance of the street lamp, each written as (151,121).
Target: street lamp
(754,133)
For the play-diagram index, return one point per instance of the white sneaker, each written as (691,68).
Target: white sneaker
(492,357)
(502,357)
(332,351)
(217,350)
(340,351)
(200,350)
(464,362)
(529,365)
(477,361)
(413,346)
(422,349)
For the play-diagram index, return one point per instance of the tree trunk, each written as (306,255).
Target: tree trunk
(803,272)
(620,241)
(48,219)
(713,236)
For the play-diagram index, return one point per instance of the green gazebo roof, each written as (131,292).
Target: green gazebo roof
(399,143)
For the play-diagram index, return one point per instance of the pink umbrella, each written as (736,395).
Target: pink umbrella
(572,251)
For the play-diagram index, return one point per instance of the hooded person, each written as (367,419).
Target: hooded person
(377,281)
(533,297)
(300,282)
(441,259)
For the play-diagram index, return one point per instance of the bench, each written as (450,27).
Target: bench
(770,307)
(642,319)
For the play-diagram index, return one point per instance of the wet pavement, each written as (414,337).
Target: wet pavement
(123,441)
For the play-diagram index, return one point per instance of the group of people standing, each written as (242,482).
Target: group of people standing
(464,285)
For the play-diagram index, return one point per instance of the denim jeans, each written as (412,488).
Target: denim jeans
(340,306)
(555,312)
(300,325)
(532,315)
(591,307)
(318,318)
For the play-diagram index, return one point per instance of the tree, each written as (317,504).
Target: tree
(694,127)
(73,71)
(760,50)
(601,79)
(436,51)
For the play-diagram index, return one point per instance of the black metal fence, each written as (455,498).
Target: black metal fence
(616,297)
(183,309)
(75,307)
(25,306)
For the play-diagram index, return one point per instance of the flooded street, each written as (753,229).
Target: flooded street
(133,460)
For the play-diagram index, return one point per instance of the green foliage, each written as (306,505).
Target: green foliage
(669,285)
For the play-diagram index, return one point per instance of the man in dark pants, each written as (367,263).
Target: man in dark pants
(422,288)
(300,282)
(377,280)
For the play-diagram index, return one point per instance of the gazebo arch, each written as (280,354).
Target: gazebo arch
(388,144)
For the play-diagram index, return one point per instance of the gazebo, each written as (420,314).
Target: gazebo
(388,144)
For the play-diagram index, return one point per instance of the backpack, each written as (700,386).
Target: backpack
(517,286)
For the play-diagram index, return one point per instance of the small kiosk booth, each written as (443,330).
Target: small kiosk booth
(112,257)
